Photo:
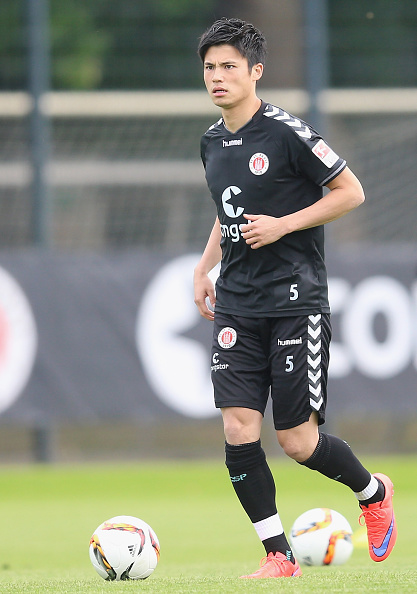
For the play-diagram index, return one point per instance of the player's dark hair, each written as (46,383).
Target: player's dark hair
(246,38)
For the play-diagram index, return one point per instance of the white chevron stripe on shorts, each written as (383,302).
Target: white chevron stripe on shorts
(314,361)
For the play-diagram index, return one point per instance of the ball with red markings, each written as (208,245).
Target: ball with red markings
(321,536)
(124,548)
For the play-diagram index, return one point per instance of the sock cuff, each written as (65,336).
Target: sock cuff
(246,456)
(320,455)
(269,527)
(369,491)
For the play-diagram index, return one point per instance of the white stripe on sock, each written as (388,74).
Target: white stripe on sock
(370,490)
(269,527)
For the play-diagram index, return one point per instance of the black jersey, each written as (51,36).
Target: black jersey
(274,165)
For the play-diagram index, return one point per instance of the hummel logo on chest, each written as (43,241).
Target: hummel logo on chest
(232,142)
(289,342)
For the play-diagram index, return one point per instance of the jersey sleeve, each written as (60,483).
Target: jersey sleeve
(206,139)
(313,158)
(203,145)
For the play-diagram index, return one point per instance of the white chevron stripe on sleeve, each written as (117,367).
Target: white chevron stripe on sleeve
(274,111)
(279,114)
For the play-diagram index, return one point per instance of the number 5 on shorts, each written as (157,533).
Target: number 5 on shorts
(289,363)
(294,292)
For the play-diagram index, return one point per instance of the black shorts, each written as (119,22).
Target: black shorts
(286,357)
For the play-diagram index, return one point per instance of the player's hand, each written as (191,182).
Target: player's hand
(203,292)
(262,230)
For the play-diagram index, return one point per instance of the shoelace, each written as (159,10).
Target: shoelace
(372,518)
(277,562)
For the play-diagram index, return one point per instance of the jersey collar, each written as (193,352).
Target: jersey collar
(257,116)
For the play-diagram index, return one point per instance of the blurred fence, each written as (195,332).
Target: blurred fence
(125,167)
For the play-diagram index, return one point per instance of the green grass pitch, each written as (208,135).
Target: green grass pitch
(48,514)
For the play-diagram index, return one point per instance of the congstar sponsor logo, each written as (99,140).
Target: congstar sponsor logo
(217,366)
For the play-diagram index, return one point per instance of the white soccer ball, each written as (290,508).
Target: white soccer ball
(124,548)
(321,536)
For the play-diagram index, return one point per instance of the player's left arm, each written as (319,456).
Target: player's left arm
(346,193)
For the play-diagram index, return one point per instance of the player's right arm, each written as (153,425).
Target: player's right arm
(203,286)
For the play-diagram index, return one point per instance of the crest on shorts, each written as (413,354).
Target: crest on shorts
(258,163)
(227,337)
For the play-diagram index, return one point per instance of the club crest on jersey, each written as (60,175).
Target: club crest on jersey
(227,337)
(258,163)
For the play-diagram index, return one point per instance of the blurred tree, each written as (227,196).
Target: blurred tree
(154,43)
(77,46)
(150,44)
(12,42)
(107,44)
(373,43)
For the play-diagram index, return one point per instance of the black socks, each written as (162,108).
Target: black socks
(255,487)
(252,479)
(334,458)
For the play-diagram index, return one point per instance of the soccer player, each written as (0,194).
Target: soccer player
(266,170)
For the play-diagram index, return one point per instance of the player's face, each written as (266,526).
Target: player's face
(227,76)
